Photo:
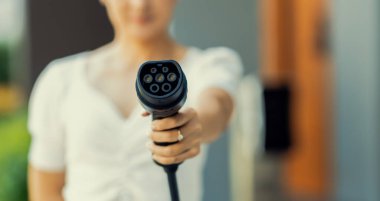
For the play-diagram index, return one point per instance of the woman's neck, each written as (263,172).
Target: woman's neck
(132,50)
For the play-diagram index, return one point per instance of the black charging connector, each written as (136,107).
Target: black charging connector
(161,87)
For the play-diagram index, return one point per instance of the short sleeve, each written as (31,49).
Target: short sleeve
(218,67)
(45,122)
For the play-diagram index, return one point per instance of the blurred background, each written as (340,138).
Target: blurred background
(310,129)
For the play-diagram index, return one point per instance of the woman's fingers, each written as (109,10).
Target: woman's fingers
(165,136)
(166,130)
(173,134)
(174,149)
(175,121)
(194,151)
(145,114)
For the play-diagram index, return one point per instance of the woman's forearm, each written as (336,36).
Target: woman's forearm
(45,186)
(214,110)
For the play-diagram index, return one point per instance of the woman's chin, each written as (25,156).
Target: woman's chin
(144,35)
(147,31)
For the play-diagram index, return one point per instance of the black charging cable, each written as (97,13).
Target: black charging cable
(172,179)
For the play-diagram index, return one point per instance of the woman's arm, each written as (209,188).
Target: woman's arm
(45,186)
(202,124)
(214,111)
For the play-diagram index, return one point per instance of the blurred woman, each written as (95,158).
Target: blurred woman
(88,130)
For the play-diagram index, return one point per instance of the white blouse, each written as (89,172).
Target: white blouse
(77,129)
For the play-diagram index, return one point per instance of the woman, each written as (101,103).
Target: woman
(87,132)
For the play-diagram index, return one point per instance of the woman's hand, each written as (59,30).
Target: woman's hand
(167,130)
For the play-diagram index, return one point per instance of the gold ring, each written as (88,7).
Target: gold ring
(180,136)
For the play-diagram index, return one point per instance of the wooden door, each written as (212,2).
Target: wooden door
(295,53)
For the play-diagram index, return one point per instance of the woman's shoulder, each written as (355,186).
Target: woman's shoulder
(57,74)
(218,50)
(214,57)
(215,54)
(60,69)
(219,67)
(67,63)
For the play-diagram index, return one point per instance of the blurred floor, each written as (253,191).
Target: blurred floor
(268,181)
(268,186)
